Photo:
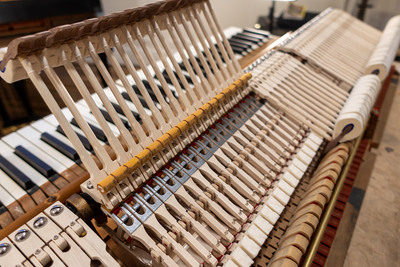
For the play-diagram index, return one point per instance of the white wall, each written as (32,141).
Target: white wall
(244,13)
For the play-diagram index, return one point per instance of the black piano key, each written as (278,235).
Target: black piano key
(220,54)
(188,78)
(96,130)
(168,80)
(148,87)
(150,92)
(34,161)
(119,110)
(242,45)
(200,64)
(84,140)
(247,38)
(183,67)
(205,58)
(60,146)
(252,35)
(201,68)
(260,32)
(243,41)
(18,176)
(126,96)
(108,118)
(238,50)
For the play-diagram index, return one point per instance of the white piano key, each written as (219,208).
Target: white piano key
(5,197)
(14,139)
(44,126)
(11,186)
(33,136)
(8,153)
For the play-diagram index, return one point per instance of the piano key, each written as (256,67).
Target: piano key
(252,35)
(139,94)
(39,160)
(119,110)
(96,130)
(243,41)
(60,146)
(28,199)
(107,117)
(51,119)
(239,50)
(126,96)
(5,197)
(33,136)
(25,199)
(168,79)
(148,87)
(260,32)
(188,78)
(241,44)
(130,105)
(34,161)
(25,173)
(15,190)
(9,203)
(247,38)
(24,181)
(84,140)
(50,131)
(245,47)
(116,106)
(88,115)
